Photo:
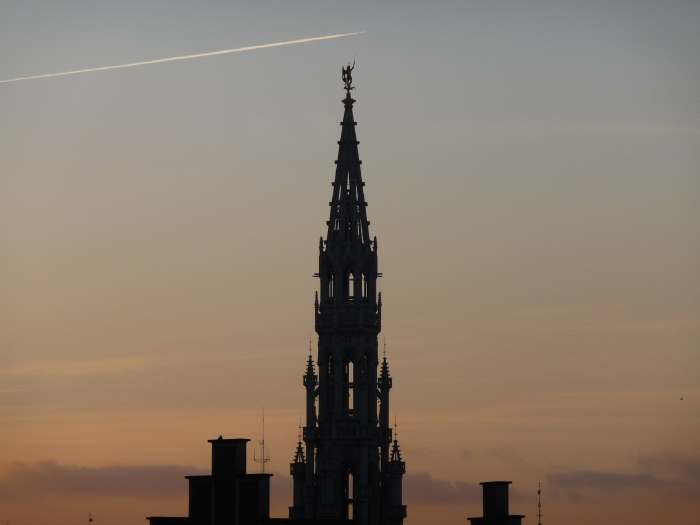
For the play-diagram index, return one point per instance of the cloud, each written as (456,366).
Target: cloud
(592,479)
(29,482)
(422,489)
(667,473)
(680,467)
(32,482)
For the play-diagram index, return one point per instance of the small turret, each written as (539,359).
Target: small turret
(396,453)
(394,509)
(297,470)
(310,377)
(384,376)
(310,382)
(299,453)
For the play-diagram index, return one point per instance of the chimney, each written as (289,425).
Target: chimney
(228,458)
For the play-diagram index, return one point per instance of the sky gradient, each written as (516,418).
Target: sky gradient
(533,177)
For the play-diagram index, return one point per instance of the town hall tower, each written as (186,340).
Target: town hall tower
(349,465)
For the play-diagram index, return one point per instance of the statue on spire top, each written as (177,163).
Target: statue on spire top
(347,75)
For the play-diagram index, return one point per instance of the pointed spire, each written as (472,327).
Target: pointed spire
(299,452)
(396,451)
(348,217)
(384,373)
(384,376)
(310,367)
(310,377)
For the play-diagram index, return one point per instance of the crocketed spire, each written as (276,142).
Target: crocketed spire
(348,217)
(299,453)
(310,377)
(384,376)
(396,451)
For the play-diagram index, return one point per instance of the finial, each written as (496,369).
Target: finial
(299,435)
(347,76)
(90,520)
(384,353)
(395,449)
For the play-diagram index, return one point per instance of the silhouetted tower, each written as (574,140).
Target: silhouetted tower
(350,469)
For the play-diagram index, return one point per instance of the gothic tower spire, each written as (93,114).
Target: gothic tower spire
(349,471)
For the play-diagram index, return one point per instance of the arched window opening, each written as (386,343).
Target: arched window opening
(350,283)
(350,495)
(363,284)
(350,374)
(331,286)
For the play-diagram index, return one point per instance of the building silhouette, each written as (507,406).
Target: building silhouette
(347,466)
(495,505)
(229,495)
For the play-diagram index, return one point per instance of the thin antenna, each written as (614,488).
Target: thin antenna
(539,503)
(384,347)
(263,458)
(396,427)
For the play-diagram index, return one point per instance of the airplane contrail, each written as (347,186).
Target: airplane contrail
(183,57)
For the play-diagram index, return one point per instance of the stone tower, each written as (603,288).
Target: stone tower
(347,467)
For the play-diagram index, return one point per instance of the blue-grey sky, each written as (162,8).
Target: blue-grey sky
(533,176)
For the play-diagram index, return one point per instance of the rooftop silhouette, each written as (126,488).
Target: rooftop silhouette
(347,465)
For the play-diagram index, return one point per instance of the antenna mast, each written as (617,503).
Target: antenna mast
(263,458)
(539,503)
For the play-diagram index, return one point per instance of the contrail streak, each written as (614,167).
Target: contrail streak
(184,57)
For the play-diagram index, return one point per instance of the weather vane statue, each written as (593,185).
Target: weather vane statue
(347,75)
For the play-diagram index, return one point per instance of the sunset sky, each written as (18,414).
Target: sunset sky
(533,177)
